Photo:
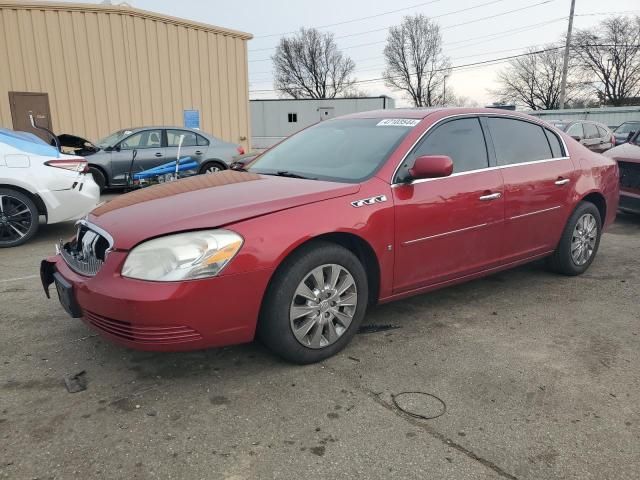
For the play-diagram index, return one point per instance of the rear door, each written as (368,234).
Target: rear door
(150,153)
(538,180)
(189,146)
(448,227)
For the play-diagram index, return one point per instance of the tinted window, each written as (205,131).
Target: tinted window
(628,127)
(576,130)
(517,141)
(590,131)
(462,140)
(202,142)
(146,139)
(173,138)
(344,150)
(556,147)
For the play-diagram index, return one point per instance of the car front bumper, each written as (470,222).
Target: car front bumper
(159,316)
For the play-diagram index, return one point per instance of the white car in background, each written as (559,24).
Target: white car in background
(36,179)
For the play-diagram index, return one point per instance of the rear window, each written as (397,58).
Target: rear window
(342,150)
(517,141)
(590,131)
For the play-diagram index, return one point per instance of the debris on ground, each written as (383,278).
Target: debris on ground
(419,404)
(76,383)
(376,328)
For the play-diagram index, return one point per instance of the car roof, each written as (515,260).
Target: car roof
(166,127)
(420,113)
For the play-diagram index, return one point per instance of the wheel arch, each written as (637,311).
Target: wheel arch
(40,205)
(102,170)
(209,161)
(352,242)
(599,200)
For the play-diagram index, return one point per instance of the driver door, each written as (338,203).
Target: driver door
(150,153)
(449,227)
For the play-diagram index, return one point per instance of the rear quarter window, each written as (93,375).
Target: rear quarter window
(517,141)
(554,143)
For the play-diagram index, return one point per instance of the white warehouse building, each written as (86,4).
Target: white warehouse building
(274,119)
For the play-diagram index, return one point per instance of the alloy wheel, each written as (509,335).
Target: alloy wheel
(583,240)
(212,169)
(15,219)
(323,306)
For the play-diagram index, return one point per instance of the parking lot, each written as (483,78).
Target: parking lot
(539,374)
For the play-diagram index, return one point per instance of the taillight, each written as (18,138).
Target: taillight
(613,140)
(75,165)
(240,149)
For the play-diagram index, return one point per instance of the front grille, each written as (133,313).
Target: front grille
(629,175)
(150,334)
(86,253)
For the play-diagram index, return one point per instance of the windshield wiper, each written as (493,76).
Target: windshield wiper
(286,173)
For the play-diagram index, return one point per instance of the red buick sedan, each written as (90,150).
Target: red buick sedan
(354,211)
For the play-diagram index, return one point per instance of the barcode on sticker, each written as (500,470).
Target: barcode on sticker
(398,122)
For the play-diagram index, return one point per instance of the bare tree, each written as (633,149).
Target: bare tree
(611,54)
(534,80)
(309,65)
(415,63)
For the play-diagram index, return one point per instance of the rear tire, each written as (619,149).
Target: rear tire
(579,242)
(19,218)
(212,167)
(325,317)
(98,177)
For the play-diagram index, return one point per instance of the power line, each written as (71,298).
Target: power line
(494,36)
(386,28)
(443,28)
(359,19)
(472,64)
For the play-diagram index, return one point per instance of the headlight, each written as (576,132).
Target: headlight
(183,256)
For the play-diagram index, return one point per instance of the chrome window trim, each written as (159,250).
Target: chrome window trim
(498,167)
(483,114)
(96,229)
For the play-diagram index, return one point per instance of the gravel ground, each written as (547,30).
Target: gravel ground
(540,375)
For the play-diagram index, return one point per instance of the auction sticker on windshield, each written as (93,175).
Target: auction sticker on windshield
(398,122)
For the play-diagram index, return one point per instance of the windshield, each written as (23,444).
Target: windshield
(627,127)
(341,150)
(111,140)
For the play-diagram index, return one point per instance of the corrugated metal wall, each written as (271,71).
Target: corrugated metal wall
(109,67)
(610,116)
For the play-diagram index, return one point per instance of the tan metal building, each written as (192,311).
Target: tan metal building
(89,70)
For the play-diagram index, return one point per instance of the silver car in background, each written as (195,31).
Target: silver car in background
(110,159)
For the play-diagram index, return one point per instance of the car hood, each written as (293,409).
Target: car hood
(206,201)
(627,152)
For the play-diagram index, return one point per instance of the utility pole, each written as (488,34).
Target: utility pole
(565,65)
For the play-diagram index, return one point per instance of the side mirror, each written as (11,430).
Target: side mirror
(431,166)
(576,137)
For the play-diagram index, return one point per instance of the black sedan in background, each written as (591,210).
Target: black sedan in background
(625,131)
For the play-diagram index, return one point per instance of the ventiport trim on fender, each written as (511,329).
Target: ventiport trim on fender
(369,201)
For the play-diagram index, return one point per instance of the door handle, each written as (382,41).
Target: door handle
(491,196)
(198,152)
(158,154)
(562,181)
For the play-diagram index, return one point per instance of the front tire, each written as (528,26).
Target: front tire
(19,218)
(579,242)
(314,304)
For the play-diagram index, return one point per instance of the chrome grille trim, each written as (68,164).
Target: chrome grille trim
(80,254)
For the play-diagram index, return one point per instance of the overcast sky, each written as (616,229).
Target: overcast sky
(473,31)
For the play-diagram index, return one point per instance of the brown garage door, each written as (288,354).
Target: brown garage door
(24,102)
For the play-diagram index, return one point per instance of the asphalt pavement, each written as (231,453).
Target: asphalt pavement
(532,376)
